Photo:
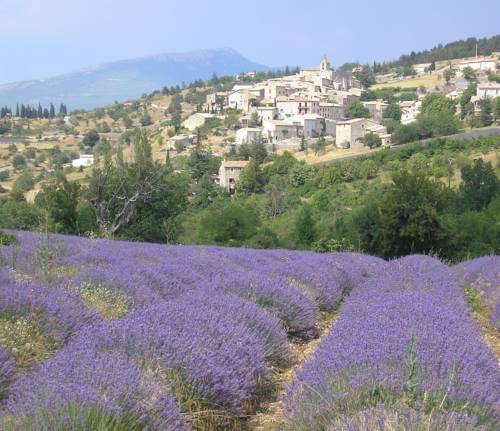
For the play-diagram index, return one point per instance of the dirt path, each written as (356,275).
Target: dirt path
(270,417)
(491,335)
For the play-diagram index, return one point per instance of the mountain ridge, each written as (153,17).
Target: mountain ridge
(126,79)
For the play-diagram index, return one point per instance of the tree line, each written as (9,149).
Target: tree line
(33,112)
(449,51)
(438,200)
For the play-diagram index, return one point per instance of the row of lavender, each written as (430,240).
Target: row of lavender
(483,275)
(404,354)
(200,331)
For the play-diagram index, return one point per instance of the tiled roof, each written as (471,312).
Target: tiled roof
(234,163)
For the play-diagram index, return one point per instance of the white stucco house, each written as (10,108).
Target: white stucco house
(267,113)
(248,135)
(422,68)
(488,89)
(279,130)
(479,63)
(83,161)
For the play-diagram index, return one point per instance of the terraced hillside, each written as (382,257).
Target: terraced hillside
(109,335)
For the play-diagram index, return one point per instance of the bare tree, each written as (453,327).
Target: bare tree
(118,187)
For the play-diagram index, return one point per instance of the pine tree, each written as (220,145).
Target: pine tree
(304,226)
(303,143)
(62,110)
(485,113)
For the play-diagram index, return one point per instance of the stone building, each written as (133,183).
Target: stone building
(350,133)
(229,173)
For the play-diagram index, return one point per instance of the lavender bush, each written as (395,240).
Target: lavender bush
(403,418)
(483,276)
(404,333)
(79,379)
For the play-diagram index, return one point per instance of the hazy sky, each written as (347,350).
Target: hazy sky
(41,38)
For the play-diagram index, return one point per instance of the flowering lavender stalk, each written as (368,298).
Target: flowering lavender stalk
(7,369)
(402,418)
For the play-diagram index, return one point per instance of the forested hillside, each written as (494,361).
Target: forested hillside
(450,51)
(442,198)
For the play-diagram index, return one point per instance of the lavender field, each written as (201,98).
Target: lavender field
(111,336)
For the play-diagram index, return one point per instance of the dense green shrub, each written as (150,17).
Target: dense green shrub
(7,238)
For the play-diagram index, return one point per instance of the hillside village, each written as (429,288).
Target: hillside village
(317,113)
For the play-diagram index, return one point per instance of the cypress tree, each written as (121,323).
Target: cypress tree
(52,112)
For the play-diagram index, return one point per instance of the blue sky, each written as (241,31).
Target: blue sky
(42,38)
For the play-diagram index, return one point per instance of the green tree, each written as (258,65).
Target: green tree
(251,179)
(255,119)
(18,214)
(467,108)
(435,103)
(130,197)
(448,74)
(405,219)
(496,108)
(127,122)
(227,223)
(18,162)
(146,120)
(485,113)
(320,145)
(479,185)
(366,77)
(356,109)
(368,169)
(300,173)
(59,200)
(372,140)
(90,138)
(24,183)
(201,162)
(439,123)
(176,121)
(418,163)
(393,111)
(304,227)
(303,144)
(469,74)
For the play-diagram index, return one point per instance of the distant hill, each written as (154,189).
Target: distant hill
(127,79)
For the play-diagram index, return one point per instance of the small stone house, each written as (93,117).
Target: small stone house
(349,133)
(229,173)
